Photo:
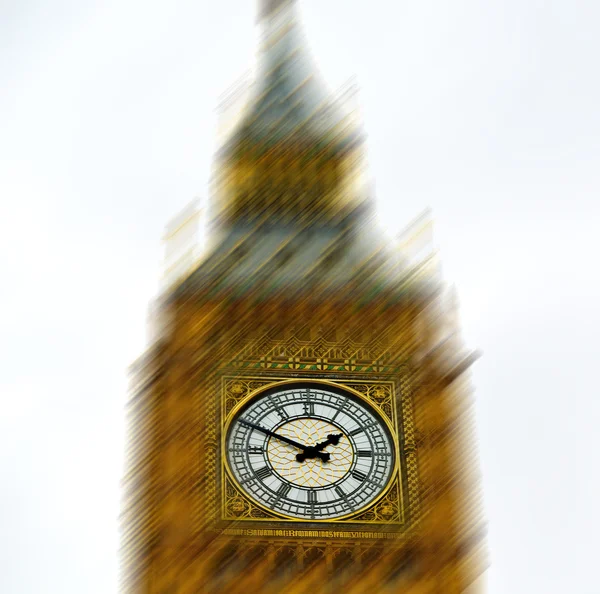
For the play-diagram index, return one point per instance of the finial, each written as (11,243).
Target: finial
(266,7)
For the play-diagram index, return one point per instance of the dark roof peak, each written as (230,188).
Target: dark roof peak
(268,7)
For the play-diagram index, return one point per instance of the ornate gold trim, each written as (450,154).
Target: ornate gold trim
(237,392)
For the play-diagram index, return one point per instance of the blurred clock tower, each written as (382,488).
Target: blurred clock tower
(301,420)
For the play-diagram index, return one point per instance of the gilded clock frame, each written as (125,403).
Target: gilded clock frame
(237,391)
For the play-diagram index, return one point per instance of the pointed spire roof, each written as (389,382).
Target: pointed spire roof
(288,97)
(295,155)
(267,7)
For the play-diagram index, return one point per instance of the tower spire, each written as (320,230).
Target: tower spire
(266,7)
(293,154)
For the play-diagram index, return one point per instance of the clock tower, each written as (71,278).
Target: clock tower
(301,421)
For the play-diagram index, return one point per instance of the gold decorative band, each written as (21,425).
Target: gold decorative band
(314,534)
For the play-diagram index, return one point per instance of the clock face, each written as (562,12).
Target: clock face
(310,451)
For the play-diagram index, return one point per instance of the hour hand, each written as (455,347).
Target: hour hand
(331,440)
(315,451)
(312,452)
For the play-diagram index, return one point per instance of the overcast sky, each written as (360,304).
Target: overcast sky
(487,112)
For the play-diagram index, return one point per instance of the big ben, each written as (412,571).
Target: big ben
(302,420)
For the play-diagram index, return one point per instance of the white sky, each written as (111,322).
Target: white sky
(485,111)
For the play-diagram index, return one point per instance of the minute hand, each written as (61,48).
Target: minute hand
(270,433)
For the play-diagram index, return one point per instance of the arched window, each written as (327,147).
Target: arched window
(226,565)
(343,567)
(285,562)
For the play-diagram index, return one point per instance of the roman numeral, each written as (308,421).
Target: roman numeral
(343,495)
(247,424)
(263,472)
(282,413)
(356,431)
(283,490)
(255,450)
(312,497)
(309,408)
(278,409)
(364,454)
(358,475)
(340,409)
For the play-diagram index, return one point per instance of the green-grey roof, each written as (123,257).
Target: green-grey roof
(288,97)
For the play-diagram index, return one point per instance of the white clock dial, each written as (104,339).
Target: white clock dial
(310,451)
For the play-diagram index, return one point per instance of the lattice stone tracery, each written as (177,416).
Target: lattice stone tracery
(311,473)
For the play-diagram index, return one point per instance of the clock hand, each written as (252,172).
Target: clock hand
(331,440)
(323,455)
(271,434)
(315,451)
